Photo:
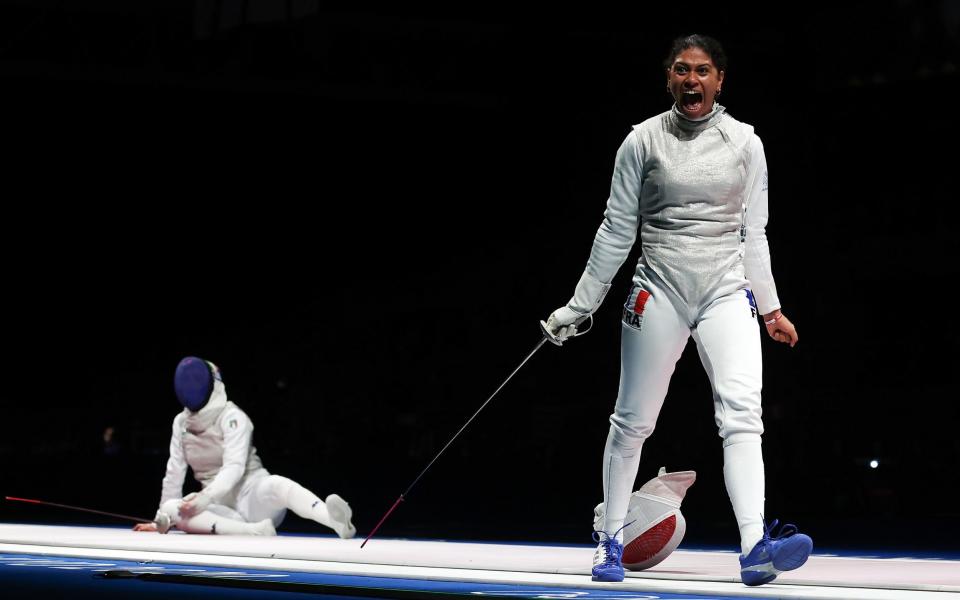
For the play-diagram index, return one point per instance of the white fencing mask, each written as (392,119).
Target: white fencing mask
(655,525)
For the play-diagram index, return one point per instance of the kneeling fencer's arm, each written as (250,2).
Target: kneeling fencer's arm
(237,437)
(172,487)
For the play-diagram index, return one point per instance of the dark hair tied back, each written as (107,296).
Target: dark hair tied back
(704,42)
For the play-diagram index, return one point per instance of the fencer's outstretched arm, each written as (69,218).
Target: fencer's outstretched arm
(611,244)
(176,465)
(172,487)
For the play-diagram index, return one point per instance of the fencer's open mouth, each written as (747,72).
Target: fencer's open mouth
(691,101)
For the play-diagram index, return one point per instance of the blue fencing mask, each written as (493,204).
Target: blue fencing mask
(193,382)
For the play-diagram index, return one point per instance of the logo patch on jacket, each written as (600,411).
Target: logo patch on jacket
(753,303)
(633,309)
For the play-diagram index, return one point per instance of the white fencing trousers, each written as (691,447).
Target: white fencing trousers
(257,499)
(655,328)
(260,497)
(269,498)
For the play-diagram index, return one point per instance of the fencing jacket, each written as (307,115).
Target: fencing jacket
(697,193)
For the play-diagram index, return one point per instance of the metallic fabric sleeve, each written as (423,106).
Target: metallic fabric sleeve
(618,231)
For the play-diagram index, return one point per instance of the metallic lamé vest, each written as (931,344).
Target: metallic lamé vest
(692,200)
(203,451)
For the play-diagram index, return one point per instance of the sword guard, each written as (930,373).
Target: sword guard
(550,337)
(556,341)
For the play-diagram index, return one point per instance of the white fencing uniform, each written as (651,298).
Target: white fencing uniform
(216,442)
(697,193)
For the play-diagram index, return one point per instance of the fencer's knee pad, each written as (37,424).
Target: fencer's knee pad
(654,524)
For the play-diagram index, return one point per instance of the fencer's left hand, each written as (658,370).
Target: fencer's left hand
(194,504)
(781,330)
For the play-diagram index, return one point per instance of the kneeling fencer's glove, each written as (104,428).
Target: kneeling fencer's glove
(563,322)
(162,521)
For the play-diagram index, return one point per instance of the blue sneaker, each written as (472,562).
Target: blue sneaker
(606,560)
(774,555)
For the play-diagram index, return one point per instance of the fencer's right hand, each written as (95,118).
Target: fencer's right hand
(160,523)
(562,324)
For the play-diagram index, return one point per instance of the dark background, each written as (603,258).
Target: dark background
(360,216)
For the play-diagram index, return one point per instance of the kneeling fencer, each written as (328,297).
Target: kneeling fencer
(238,497)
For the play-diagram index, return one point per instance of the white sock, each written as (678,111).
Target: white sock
(619,472)
(282,492)
(306,504)
(744,477)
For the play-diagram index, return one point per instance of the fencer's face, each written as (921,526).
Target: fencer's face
(694,81)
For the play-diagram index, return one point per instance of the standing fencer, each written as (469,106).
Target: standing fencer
(693,181)
(238,497)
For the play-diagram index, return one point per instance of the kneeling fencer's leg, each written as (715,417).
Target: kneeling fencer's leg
(278,492)
(210,522)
